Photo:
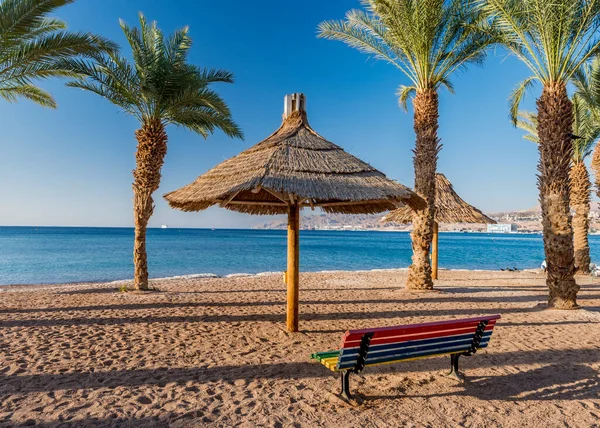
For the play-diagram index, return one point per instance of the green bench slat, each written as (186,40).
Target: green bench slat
(322,355)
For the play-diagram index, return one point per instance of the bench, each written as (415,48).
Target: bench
(375,346)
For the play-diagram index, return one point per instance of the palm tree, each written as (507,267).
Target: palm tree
(587,132)
(553,38)
(587,84)
(33,47)
(428,41)
(158,89)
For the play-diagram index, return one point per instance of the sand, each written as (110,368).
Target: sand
(214,352)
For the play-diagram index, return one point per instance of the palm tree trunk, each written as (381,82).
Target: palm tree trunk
(150,156)
(555,124)
(596,167)
(580,202)
(426,151)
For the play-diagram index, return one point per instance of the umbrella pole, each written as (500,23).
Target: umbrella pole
(434,252)
(293,266)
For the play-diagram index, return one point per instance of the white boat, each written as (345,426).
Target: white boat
(164,226)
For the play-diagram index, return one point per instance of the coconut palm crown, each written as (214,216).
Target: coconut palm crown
(428,41)
(554,39)
(159,88)
(33,47)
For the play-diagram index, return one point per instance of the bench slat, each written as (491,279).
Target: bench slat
(408,355)
(382,330)
(330,363)
(327,354)
(427,335)
(352,353)
(352,338)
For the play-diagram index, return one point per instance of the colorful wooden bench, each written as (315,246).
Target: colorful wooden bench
(375,346)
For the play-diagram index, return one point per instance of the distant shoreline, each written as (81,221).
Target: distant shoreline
(275,228)
(119,282)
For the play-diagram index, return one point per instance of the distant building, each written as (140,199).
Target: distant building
(502,228)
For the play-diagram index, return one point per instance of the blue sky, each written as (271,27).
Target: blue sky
(72,166)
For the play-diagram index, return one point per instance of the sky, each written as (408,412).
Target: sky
(72,166)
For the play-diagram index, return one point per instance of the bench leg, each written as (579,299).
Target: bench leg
(454,367)
(345,377)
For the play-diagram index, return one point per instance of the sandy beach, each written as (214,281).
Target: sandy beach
(214,352)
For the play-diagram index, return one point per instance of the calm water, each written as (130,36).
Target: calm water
(31,255)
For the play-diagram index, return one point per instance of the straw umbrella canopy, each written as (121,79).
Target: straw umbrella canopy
(449,208)
(291,169)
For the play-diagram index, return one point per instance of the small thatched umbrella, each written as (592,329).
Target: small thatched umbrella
(449,208)
(293,168)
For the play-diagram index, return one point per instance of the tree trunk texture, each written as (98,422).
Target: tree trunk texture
(596,168)
(580,202)
(150,156)
(555,124)
(426,152)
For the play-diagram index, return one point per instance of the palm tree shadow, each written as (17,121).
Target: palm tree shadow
(551,382)
(47,382)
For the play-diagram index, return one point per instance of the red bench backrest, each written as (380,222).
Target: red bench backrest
(425,339)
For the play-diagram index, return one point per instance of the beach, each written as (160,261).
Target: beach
(214,351)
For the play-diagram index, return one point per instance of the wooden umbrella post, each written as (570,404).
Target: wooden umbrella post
(293,266)
(434,252)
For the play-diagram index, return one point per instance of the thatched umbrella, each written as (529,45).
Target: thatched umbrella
(449,208)
(294,168)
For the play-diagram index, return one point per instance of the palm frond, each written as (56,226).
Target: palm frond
(428,40)
(159,84)
(404,93)
(18,18)
(30,92)
(527,121)
(585,129)
(516,98)
(554,38)
(34,46)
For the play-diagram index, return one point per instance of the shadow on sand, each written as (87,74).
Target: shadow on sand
(567,381)
(443,298)
(263,317)
(562,367)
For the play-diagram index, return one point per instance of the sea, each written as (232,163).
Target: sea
(46,255)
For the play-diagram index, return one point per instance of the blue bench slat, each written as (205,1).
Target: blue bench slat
(395,356)
(401,350)
(403,355)
(352,353)
(375,348)
(424,349)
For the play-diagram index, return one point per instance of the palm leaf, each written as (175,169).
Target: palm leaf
(34,46)
(159,84)
(516,98)
(428,40)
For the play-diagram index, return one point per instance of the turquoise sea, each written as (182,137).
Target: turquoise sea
(34,255)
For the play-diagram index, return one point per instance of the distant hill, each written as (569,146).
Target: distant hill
(324,221)
(528,220)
